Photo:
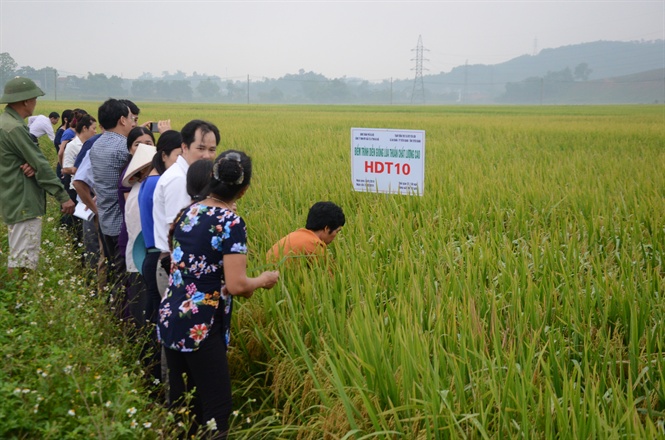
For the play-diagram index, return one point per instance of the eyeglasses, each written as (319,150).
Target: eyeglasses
(132,117)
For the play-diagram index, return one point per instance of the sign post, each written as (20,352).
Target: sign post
(388,161)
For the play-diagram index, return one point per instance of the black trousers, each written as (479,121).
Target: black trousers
(206,369)
(115,275)
(153,296)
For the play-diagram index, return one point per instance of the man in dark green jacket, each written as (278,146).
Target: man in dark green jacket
(25,176)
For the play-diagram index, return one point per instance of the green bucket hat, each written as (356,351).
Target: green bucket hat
(20,89)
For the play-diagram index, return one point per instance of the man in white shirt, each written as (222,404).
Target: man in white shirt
(40,125)
(199,141)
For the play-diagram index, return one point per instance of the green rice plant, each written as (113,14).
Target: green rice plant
(521,296)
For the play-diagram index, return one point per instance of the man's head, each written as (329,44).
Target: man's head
(199,141)
(326,220)
(115,115)
(21,95)
(132,108)
(54,117)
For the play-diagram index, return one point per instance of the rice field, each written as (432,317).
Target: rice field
(521,296)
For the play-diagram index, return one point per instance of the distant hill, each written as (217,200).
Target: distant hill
(601,72)
(606,59)
(638,88)
(639,63)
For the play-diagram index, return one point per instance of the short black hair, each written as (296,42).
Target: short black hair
(110,112)
(325,214)
(132,107)
(189,131)
(54,115)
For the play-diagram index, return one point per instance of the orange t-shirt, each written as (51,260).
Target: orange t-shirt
(300,242)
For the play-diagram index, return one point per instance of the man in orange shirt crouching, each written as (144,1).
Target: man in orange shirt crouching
(324,221)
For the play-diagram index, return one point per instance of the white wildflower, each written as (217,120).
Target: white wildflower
(212,424)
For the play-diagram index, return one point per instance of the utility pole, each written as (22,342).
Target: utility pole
(465,96)
(418,85)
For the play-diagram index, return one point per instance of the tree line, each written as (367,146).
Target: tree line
(554,87)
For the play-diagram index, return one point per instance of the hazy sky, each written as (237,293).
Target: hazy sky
(374,40)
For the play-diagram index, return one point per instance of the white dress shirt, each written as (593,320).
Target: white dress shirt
(40,125)
(169,198)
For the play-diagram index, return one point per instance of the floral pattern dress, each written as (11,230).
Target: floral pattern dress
(201,238)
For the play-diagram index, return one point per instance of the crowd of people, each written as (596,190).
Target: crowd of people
(160,229)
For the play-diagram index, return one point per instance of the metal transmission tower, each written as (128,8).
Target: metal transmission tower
(418,85)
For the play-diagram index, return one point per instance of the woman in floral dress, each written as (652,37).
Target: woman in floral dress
(208,268)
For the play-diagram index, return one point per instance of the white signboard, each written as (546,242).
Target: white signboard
(388,161)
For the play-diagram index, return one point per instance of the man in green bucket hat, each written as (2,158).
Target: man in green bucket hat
(25,176)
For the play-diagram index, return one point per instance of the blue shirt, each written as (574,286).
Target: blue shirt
(57,139)
(87,145)
(145,207)
(68,135)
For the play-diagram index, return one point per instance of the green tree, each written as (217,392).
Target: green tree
(178,90)
(98,85)
(144,89)
(235,92)
(208,90)
(275,95)
(7,67)
(582,72)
